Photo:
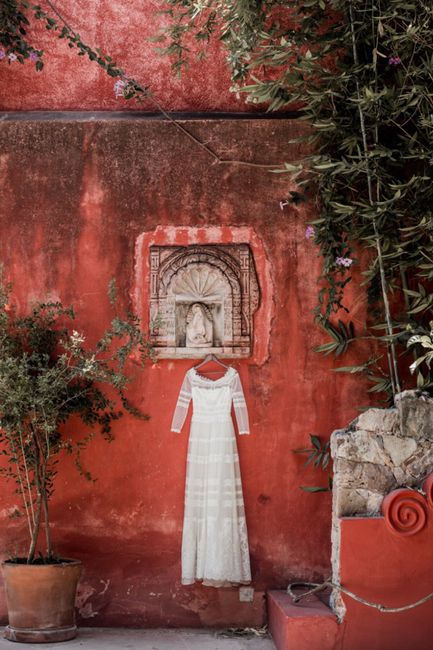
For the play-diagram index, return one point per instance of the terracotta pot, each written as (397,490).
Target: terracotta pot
(40,600)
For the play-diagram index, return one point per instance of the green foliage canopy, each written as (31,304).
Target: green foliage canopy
(361,73)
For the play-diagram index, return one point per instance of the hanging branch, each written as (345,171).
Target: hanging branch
(392,357)
(371,141)
(139,91)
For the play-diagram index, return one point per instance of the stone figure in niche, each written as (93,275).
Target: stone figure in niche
(199,327)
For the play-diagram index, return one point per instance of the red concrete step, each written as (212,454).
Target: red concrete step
(307,625)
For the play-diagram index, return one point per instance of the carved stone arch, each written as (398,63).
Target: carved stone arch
(221,278)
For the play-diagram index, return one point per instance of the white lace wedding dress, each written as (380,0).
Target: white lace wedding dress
(215,540)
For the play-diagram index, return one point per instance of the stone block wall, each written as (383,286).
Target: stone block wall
(381,450)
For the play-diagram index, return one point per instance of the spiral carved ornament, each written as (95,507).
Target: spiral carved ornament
(405,511)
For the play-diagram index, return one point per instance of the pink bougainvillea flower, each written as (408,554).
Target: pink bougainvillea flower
(2,54)
(119,87)
(34,56)
(343,261)
(310,232)
(12,56)
(394,60)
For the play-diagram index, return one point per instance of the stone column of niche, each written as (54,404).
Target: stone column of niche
(154,288)
(228,319)
(383,449)
(244,256)
(236,319)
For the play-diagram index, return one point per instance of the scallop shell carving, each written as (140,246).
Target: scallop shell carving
(199,282)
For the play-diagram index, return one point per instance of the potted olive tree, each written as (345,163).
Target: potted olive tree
(47,374)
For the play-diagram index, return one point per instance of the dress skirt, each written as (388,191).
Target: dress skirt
(215,539)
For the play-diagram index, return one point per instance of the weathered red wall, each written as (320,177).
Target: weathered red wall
(393,570)
(75,198)
(122,30)
(382,567)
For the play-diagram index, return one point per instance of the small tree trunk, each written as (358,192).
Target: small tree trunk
(32,549)
(37,525)
(46,516)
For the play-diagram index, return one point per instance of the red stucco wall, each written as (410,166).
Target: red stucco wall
(122,30)
(75,199)
(394,570)
(382,567)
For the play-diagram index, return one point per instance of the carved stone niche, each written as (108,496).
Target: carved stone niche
(202,300)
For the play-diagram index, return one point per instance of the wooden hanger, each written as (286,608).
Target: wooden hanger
(214,358)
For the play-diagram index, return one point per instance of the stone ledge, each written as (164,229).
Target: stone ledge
(60,116)
(308,625)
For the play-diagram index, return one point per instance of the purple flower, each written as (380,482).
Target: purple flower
(2,54)
(343,261)
(309,232)
(119,87)
(34,56)
(394,60)
(12,57)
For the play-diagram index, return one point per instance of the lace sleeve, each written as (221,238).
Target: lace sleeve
(182,405)
(240,406)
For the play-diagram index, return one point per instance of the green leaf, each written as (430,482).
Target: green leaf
(350,369)
(314,488)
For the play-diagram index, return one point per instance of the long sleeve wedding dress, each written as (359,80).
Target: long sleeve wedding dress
(215,540)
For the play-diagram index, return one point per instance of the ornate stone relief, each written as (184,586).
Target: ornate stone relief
(202,299)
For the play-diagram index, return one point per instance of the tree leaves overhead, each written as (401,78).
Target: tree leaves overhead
(361,73)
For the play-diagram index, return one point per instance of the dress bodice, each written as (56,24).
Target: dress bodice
(211,399)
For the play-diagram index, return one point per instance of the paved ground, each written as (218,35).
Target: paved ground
(115,639)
